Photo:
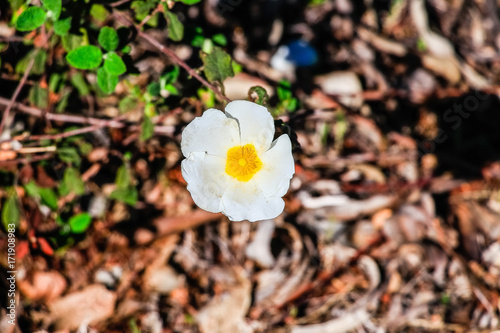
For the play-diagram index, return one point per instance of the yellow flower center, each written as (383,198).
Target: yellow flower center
(242,162)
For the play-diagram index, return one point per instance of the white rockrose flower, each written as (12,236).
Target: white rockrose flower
(233,165)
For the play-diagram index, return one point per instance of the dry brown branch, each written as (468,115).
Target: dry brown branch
(96,123)
(16,93)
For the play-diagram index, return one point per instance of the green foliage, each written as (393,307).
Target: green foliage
(142,9)
(78,81)
(85,57)
(106,81)
(340,128)
(71,183)
(287,101)
(113,64)
(45,194)
(154,89)
(39,64)
(108,39)
(38,96)
(69,155)
(54,7)
(217,65)
(123,179)
(71,41)
(80,223)
(30,19)
(147,128)
(126,195)
(167,81)
(99,12)
(125,191)
(220,39)
(262,96)
(189,2)
(61,27)
(127,104)
(10,212)
(175,27)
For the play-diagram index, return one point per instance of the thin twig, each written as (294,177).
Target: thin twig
(16,93)
(171,54)
(119,3)
(67,118)
(96,123)
(27,160)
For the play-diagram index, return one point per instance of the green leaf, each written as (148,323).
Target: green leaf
(72,183)
(217,65)
(150,109)
(48,197)
(106,81)
(123,179)
(170,76)
(53,6)
(207,45)
(126,104)
(147,129)
(154,89)
(31,189)
(284,90)
(189,2)
(71,42)
(69,155)
(78,81)
(175,27)
(99,12)
(126,195)
(262,96)
(85,57)
(113,64)
(220,39)
(62,27)
(54,81)
(38,96)
(80,223)
(16,4)
(39,64)
(108,38)
(142,8)
(10,212)
(63,101)
(30,19)
(171,89)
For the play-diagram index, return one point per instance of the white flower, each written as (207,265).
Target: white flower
(233,165)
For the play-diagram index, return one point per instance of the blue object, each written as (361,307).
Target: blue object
(301,54)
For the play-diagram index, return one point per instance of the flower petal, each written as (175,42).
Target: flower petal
(256,124)
(278,168)
(207,180)
(245,201)
(213,133)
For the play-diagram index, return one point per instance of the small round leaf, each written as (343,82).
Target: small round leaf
(114,64)
(106,81)
(85,57)
(54,6)
(80,223)
(108,38)
(30,19)
(62,27)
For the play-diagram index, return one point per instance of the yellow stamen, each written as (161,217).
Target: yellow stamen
(242,162)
